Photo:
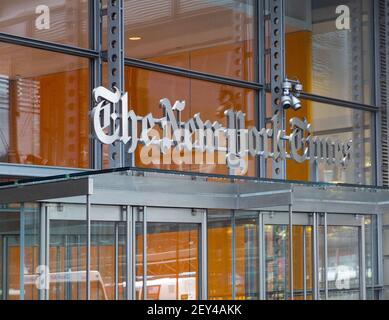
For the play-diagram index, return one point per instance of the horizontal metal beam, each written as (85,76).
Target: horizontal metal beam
(339,102)
(46,45)
(45,191)
(191,74)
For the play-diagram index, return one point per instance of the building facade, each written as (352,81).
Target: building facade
(194,149)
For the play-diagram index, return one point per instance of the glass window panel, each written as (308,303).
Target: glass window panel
(343,124)
(206,35)
(44,103)
(330,61)
(343,263)
(172,261)
(219,256)
(246,258)
(67,254)
(61,21)
(277,262)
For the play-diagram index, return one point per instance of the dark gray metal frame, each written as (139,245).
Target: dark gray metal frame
(96,57)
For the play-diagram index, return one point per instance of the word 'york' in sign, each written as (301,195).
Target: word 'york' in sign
(114,122)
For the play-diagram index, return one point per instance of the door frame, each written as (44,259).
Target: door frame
(130,215)
(316,220)
(147,215)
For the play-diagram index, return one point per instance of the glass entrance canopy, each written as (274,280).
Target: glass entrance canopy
(144,234)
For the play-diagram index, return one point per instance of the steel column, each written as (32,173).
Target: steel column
(115,57)
(277,73)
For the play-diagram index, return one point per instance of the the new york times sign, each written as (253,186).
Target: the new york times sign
(199,141)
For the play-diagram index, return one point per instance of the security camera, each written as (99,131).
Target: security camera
(296,103)
(286,101)
(292,89)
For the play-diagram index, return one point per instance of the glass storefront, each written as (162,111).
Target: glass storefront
(124,251)
(215,240)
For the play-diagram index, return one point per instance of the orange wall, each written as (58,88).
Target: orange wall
(298,56)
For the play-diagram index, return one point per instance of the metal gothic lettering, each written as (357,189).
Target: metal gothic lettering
(236,141)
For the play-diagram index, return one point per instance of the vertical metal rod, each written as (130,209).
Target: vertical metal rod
(362,241)
(204,258)
(291,276)
(95,42)
(305,262)
(261,258)
(233,255)
(380,251)
(42,246)
(22,248)
(315,273)
(5,268)
(47,249)
(67,267)
(129,279)
(88,246)
(373,254)
(144,253)
(326,255)
(116,260)
(133,252)
(78,252)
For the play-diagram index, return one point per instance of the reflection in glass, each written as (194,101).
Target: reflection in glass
(44,102)
(67,262)
(330,59)
(343,263)
(246,259)
(178,33)
(172,262)
(10,252)
(64,22)
(103,260)
(343,124)
(277,262)
(232,256)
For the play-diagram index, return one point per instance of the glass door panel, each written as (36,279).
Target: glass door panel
(173,248)
(172,261)
(246,257)
(68,250)
(277,262)
(67,260)
(343,256)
